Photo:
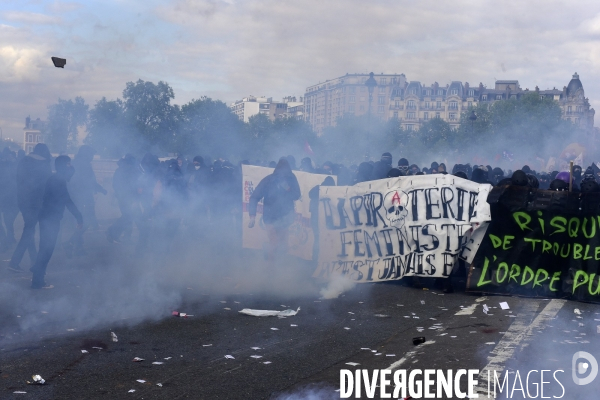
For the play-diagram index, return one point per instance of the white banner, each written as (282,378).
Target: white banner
(301,236)
(407,226)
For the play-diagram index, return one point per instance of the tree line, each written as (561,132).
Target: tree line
(145,120)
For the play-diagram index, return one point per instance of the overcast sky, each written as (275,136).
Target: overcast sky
(230,49)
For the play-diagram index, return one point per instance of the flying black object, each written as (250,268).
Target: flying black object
(59,62)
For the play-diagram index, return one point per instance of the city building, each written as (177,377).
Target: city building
(250,106)
(325,102)
(33,133)
(414,103)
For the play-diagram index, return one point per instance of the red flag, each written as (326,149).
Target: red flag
(308,149)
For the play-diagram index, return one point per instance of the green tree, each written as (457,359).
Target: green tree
(107,129)
(259,135)
(148,108)
(209,127)
(64,119)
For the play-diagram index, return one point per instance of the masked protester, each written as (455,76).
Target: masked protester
(124,185)
(56,198)
(82,187)
(32,173)
(279,190)
(577,172)
(403,166)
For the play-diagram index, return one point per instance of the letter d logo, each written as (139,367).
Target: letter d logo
(582,367)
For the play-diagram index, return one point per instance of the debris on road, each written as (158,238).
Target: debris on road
(274,329)
(269,313)
(423,302)
(255,348)
(168,358)
(293,325)
(255,356)
(19,392)
(504,305)
(131,391)
(382,316)
(267,362)
(577,311)
(485,309)
(159,384)
(114,337)
(140,381)
(180,314)
(346,328)
(84,351)
(353,364)
(158,363)
(230,357)
(137,359)
(38,379)
(207,345)
(390,355)
(418,340)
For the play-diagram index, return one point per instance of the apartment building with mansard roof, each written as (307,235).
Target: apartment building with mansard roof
(414,103)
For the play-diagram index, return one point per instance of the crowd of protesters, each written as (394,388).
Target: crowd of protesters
(158,196)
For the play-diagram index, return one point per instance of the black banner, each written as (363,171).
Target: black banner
(540,243)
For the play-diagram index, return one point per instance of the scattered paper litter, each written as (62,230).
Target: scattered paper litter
(422,301)
(114,337)
(269,313)
(504,305)
(159,384)
(70,330)
(293,325)
(158,363)
(131,391)
(390,355)
(350,312)
(255,348)
(274,329)
(490,343)
(84,351)
(137,359)
(230,357)
(19,392)
(236,302)
(352,364)
(485,309)
(168,358)
(38,379)
(577,311)
(207,345)
(267,362)
(140,381)
(365,348)
(598,328)
(346,328)
(381,316)
(255,356)
(227,308)
(98,348)
(453,336)
(377,354)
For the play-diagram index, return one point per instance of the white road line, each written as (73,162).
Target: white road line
(519,333)
(471,309)
(408,356)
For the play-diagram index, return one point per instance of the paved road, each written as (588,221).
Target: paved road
(44,332)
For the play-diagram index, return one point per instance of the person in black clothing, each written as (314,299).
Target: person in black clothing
(279,190)
(83,186)
(125,186)
(32,173)
(56,198)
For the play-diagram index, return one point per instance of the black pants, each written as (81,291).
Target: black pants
(27,242)
(49,229)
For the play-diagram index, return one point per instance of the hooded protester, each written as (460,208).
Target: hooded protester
(577,170)
(480,176)
(279,190)
(55,199)
(124,185)
(82,187)
(306,165)
(413,170)
(544,181)
(364,172)
(32,173)
(403,166)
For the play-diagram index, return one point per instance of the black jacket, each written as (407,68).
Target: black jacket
(279,190)
(56,198)
(32,173)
